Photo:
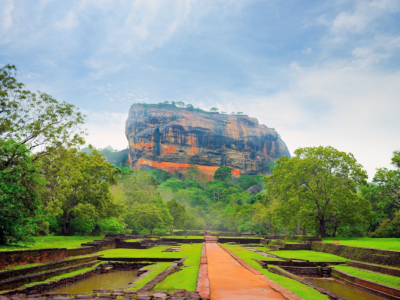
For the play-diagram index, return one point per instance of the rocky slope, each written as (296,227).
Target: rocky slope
(169,138)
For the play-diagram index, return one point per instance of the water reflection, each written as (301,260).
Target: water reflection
(343,289)
(111,280)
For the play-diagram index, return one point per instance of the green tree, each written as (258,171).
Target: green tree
(39,122)
(20,184)
(147,216)
(178,213)
(75,179)
(180,104)
(213,109)
(384,195)
(111,226)
(315,187)
(223,173)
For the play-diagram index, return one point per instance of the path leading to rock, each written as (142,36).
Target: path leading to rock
(231,280)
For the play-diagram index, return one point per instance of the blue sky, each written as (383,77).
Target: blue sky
(319,72)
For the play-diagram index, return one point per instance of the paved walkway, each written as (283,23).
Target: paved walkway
(230,280)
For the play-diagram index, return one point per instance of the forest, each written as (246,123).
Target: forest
(51,183)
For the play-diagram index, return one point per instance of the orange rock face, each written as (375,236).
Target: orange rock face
(170,138)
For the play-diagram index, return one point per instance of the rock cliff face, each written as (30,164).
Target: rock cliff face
(170,138)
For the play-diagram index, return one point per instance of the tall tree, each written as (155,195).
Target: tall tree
(178,213)
(75,178)
(223,173)
(20,184)
(39,122)
(316,186)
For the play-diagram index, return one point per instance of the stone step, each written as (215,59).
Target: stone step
(5,275)
(16,282)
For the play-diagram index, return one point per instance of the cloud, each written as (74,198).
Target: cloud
(364,14)
(6,9)
(106,129)
(70,21)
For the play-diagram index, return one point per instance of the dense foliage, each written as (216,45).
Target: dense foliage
(48,185)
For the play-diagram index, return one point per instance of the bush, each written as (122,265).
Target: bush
(82,226)
(111,225)
(388,228)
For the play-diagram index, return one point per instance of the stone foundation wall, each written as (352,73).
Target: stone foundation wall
(302,271)
(22,257)
(45,287)
(239,240)
(375,256)
(46,267)
(375,268)
(183,241)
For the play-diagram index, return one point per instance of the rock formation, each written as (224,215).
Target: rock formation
(169,138)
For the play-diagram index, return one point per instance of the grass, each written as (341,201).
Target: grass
(303,291)
(241,237)
(183,237)
(377,243)
(133,240)
(187,277)
(65,275)
(184,279)
(156,269)
(371,276)
(249,254)
(42,242)
(308,255)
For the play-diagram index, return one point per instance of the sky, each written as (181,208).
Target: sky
(319,72)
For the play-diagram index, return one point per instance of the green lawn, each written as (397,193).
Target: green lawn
(249,254)
(303,291)
(184,279)
(371,276)
(241,237)
(42,242)
(183,237)
(377,243)
(133,240)
(308,255)
(155,270)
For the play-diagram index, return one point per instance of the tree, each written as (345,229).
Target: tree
(232,113)
(39,122)
(384,195)
(178,213)
(213,109)
(75,179)
(189,106)
(180,104)
(194,172)
(20,185)
(239,113)
(147,216)
(223,173)
(315,187)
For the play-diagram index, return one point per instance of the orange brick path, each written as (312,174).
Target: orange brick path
(229,279)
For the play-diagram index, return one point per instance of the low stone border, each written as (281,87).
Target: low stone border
(369,255)
(4,275)
(280,271)
(291,263)
(16,282)
(380,289)
(138,259)
(203,283)
(375,268)
(273,285)
(47,286)
(160,277)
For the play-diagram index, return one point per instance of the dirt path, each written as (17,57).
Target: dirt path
(230,280)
